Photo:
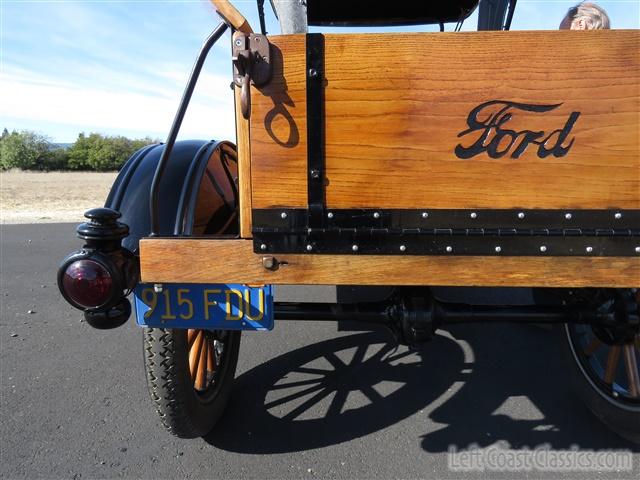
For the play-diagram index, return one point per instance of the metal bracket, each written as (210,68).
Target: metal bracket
(251,65)
(315,129)
(604,233)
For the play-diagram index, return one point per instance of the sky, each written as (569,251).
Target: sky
(118,67)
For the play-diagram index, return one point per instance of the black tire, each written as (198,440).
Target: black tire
(616,410)
(185,411)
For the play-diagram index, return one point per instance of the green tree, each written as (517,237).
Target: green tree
(102,153)
(30,151)
(25,150)
(57,159)
(78,153)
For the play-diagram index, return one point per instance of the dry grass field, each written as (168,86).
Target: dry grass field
(48,197)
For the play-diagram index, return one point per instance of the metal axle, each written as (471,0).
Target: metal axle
(414,319)
(438,313)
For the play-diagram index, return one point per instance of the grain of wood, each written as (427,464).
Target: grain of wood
(233,261)
(244,167)
(395,104)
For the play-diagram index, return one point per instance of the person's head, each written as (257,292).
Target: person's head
(585,16)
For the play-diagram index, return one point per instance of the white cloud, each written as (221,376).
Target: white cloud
(97,108)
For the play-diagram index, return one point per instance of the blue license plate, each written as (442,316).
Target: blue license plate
(211,307)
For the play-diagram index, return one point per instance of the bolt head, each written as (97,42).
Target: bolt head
(521,215)
(283,215)
(498,249)
(425,215)
(313,72)
(238,42)
(376,215)
(568,216)
(403,248)
(269,263)
(330,215)
(354,248)
(449,249)
(543,248)
(618,216)
(309,248)
(263,247)
(589,249)
(637,249)
(473,215)
(157,287)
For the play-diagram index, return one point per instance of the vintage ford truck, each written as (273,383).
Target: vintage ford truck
(407,162)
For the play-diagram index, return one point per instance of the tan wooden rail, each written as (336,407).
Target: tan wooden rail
(231,14)
(233,261)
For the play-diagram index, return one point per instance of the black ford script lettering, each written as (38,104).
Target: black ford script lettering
(488,121)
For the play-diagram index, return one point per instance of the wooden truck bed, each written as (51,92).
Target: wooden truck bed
(479,131)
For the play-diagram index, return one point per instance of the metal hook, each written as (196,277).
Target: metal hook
(245,96)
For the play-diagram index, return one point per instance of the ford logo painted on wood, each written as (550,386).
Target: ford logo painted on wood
(488,128)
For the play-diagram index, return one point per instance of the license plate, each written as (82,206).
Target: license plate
(211,307)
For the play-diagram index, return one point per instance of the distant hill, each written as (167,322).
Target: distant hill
(65,146)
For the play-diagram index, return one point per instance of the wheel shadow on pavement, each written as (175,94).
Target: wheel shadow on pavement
(471,386)
(519,394)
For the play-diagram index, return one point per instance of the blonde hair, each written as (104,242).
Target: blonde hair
(594,16)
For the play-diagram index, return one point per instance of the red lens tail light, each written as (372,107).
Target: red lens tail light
(88,283)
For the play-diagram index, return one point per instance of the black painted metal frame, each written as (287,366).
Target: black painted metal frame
(315,129)
(450,232)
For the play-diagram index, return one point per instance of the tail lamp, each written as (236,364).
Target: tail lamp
(97,278)
(88,282)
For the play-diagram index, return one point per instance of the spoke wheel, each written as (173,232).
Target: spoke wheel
(190,374)
(605,366)
(613,369)
(206,349)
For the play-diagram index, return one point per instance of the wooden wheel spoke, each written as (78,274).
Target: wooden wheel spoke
(592,347)
(631,364)
(194,353)
(191,336)
(203,360)
(201,371)
(612,364)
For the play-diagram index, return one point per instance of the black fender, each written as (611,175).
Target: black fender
(198,192)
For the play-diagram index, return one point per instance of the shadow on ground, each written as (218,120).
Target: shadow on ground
(348,387)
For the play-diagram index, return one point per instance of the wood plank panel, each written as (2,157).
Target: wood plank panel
(396,103)
(243,140)
(233,261)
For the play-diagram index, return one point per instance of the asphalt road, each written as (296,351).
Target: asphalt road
(74,402)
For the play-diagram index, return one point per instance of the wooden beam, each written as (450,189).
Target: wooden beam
(243,141)
(233,261)
(232,16)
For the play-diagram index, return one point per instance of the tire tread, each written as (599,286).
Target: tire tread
(161,358)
